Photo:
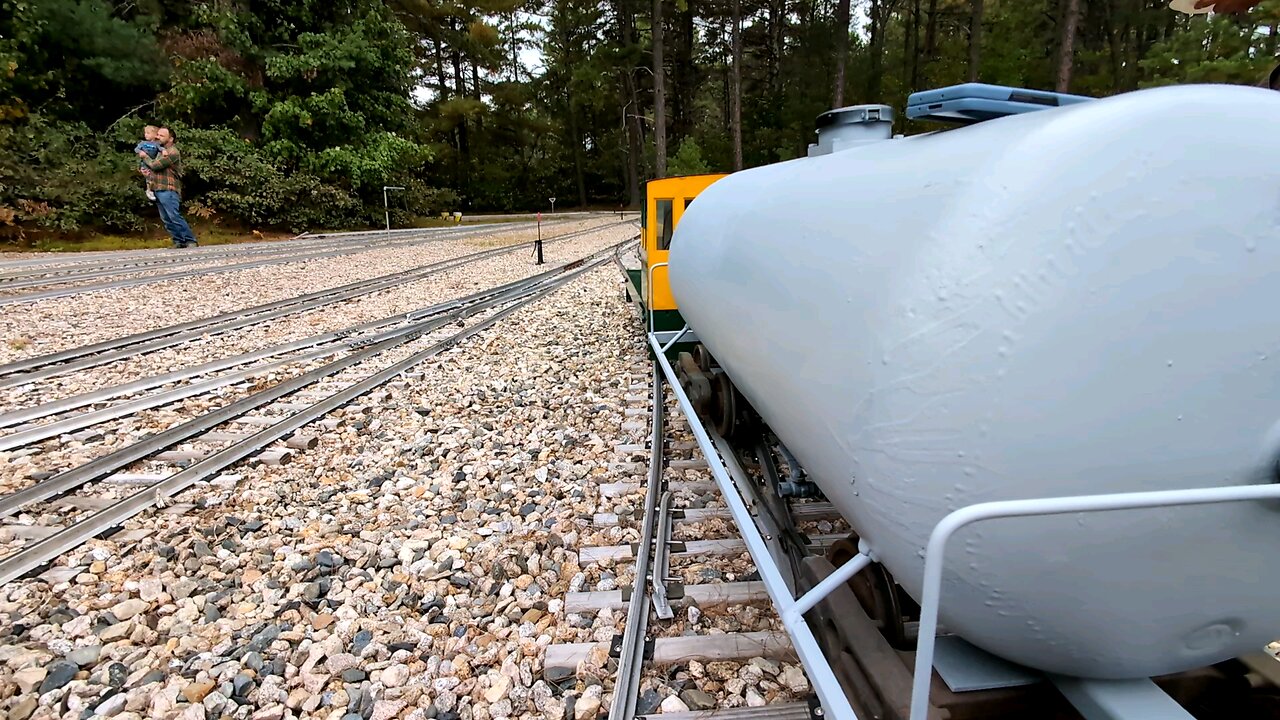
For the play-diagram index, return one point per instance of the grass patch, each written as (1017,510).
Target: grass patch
(211,235)
(19,343)
(207,235)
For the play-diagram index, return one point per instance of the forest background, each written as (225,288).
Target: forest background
(294,114)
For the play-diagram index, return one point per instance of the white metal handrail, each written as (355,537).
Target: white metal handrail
(944,530)
(648,288)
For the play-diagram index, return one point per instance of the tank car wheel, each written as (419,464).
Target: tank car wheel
(874,588)
(702,357)
(724,405)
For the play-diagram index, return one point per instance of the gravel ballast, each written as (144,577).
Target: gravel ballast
(414,565)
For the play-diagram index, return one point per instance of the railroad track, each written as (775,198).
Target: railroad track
(285,255)
(256,425)
(279,357)
(28,370)
(145,260)
(190,382)
(688,567)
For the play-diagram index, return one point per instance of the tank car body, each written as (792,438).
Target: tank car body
(1074,301)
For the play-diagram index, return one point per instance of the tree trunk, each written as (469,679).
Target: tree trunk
(460,88)
(975,40)
(631,107)
(910,46)
(931,31)
(726,69)
(659,95)
(842,52)
(777,16)
(1116,31)
(577,148)
(444,83)
(1271,38)
(515,50)
(735,90)
(915,45)
(876,48)
(475,88)
(1141,36)
(1067,45)
(630,176)
(683,71)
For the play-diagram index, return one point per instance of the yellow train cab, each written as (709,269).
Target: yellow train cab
(665,202)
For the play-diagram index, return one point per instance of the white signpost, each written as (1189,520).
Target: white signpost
(385,205)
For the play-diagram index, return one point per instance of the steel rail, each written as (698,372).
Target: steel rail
(235,322)
(71,353)
(42,552)
(368,241)
(31,435)
(662,559)
(71,270)
(88,258)
(140,343)
(53,274)
(626,279)
(626,687)
(213,270)
(71,262)
(94,469)
(819,670)
(333,342)
(163,277)
(772,711)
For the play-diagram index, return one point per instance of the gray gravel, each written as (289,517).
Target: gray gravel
(413,567)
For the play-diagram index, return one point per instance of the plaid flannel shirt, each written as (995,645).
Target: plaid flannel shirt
(166,170)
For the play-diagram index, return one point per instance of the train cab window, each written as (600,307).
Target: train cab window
(665,222)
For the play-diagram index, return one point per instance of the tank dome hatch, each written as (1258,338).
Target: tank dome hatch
(851,126)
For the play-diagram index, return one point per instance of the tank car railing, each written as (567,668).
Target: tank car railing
(952,523)
(649,288)
(825,684)
(652,327)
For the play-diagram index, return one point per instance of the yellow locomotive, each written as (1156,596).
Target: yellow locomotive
(664,204)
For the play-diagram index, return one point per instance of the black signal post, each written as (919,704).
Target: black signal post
(537,245)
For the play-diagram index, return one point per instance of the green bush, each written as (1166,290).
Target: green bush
(62,177)
(687,160)
(236,181)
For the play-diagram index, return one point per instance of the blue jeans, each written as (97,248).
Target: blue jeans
(179,230)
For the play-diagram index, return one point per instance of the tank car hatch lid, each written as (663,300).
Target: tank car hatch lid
(848,127)
(854,115)
(975,102)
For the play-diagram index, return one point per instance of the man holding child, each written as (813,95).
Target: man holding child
(163,171)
